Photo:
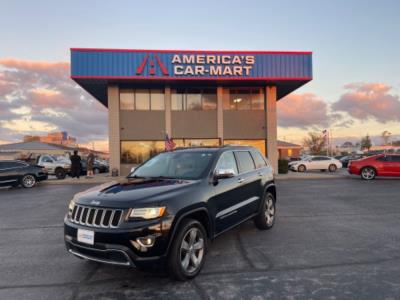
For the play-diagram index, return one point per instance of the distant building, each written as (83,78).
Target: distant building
(288,150)
(33,149)
(60,138)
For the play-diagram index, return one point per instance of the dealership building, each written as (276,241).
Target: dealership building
(199,98)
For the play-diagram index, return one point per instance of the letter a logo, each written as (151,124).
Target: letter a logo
(151,61)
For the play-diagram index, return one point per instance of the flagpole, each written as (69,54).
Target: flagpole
(327,142)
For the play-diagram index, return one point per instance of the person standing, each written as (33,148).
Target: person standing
(75,165)
(90,163)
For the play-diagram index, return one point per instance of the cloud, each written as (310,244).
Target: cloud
(53,69)
(27,125)
(365,101)
(37,97)
(302,111)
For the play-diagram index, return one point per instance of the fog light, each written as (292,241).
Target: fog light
(147,241)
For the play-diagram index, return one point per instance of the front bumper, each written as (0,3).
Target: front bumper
(117,246)
(42,177)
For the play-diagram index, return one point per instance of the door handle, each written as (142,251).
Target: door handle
(260,174)
(240,180)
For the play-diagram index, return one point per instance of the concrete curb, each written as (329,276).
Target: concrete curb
(291,177)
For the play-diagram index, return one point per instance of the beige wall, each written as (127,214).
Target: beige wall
(142,125)
(194,124)
(224,124)
(244,124)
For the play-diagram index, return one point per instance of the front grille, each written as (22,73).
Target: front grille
(96,217)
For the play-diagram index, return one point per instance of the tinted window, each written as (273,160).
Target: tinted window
(382,158)
(245,161)
(395,158)
(227,161)
(10,164)
(258,160)
(320,158)
(47,159)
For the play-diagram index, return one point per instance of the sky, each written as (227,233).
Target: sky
(355,45)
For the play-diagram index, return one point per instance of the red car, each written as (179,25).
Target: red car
(377,165)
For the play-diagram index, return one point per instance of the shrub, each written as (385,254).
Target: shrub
(283,166)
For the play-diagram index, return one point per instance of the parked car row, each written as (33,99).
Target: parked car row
(322,163)
(378,165)
(60,166)
(18,172)
(14,173)
(368,167)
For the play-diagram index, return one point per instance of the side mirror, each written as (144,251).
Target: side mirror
(224,173)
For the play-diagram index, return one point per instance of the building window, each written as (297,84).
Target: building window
(194,99)
(142,99)
(244,99)
(127,99)
(197,142)
(136,152)
(157,100)
(259,144)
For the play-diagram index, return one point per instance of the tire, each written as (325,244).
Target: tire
(60,173)
(265,220)
(332,168)
(28,181)
(368,173)
(301,168)
(96,171)
(183,250)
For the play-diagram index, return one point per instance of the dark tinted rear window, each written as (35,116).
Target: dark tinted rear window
(382,158)
(258,159)
(395,158)
(10,164)
(245,161)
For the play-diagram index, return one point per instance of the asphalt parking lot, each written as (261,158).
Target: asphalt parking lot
(334,238)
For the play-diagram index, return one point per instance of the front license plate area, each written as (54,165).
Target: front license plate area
(85,236)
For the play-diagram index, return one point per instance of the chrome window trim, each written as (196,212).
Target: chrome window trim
(235,207)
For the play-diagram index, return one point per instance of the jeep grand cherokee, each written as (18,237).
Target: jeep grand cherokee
(170,207)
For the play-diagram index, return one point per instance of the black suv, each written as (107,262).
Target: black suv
(170,206)
(17,172)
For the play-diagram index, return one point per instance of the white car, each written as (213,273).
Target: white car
(315,163)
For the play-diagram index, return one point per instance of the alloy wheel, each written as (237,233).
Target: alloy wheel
(368,173)
(192,250)
(28,181)
(270,211)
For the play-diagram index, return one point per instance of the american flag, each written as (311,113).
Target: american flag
(169,143)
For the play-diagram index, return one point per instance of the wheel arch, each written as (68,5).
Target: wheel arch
(305,167)
(369,166)
(270,187)
(199,214)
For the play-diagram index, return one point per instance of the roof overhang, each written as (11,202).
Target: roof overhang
(95,69)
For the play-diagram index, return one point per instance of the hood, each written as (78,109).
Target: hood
(133,192)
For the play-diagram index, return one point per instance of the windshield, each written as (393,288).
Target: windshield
(176,165)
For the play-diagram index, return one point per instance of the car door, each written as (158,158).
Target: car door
(396,165)
(250,186)
(9,173)
(226,194)
(313,163)
(393,165)
(47,162)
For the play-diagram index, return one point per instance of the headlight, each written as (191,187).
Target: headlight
(71,207)
(147,212)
